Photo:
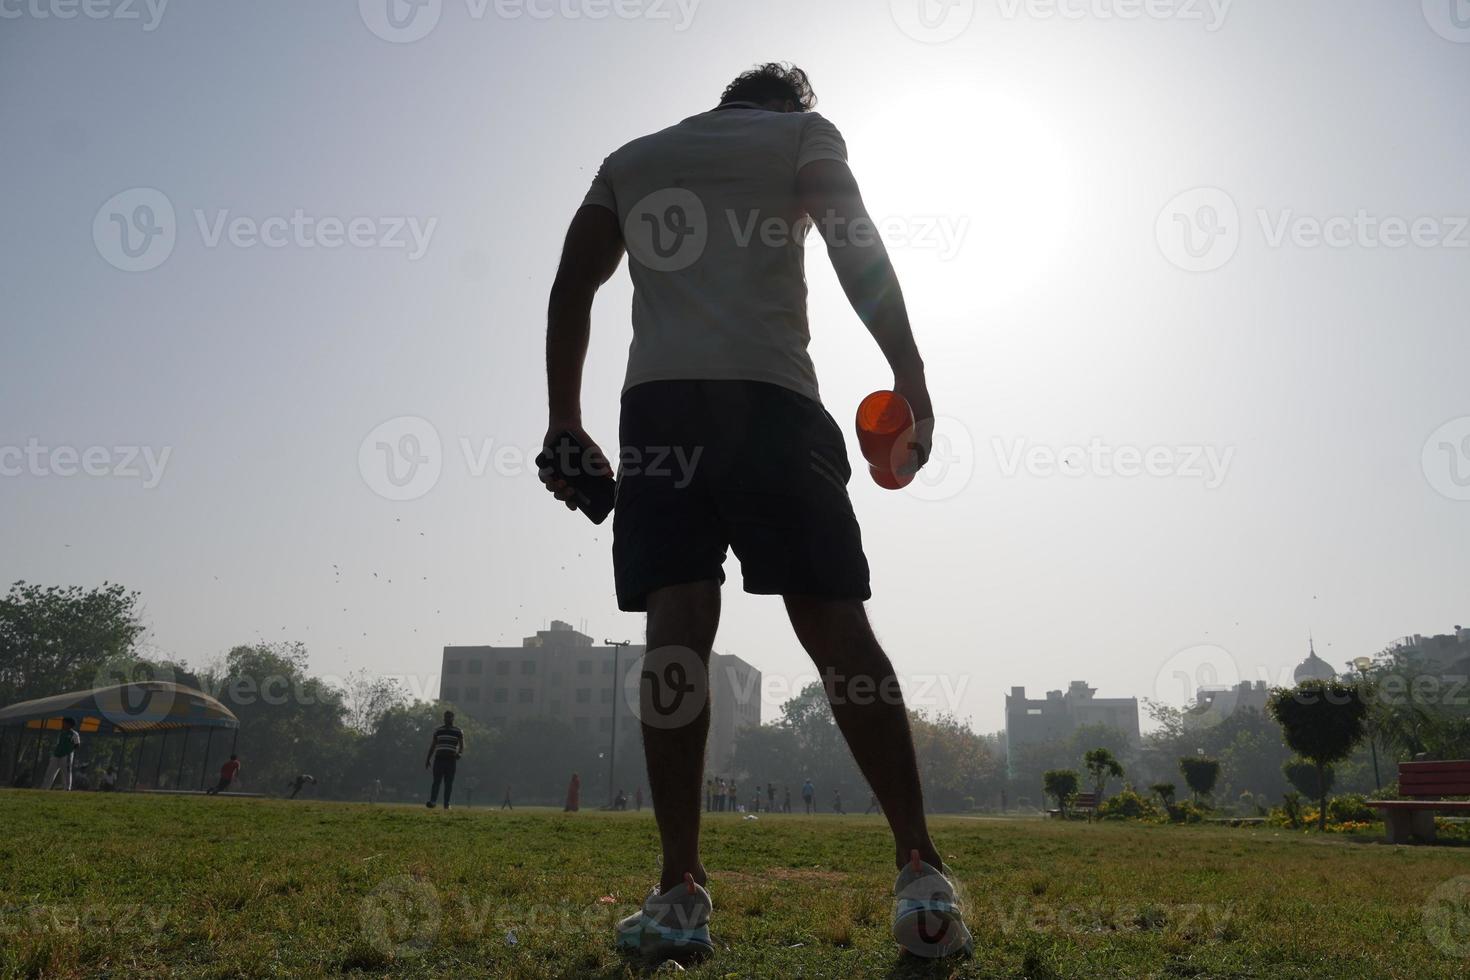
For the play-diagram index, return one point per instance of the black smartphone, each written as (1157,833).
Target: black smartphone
(593,492)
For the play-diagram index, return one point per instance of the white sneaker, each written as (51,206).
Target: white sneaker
(926,916)
(672,926)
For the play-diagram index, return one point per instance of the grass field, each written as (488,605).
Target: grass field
(130,885)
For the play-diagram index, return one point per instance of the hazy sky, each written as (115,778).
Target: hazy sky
(1280,356)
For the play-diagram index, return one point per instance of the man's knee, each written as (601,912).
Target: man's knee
(823,623)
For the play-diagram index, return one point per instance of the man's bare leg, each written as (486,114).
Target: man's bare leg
(682,620)
(869,708)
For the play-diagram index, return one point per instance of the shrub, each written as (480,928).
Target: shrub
(1187,812)
(1350,808)
(1128,805)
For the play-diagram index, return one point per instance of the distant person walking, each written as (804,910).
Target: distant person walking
(709,795)
(574,795)
(837,801)
(228,773)
(809,795)
(786,799)
(506,804)
(771,797)
(638,798)
(874,805)
(296,785)
(62,755)
(446,748)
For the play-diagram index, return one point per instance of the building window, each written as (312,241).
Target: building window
(453,666)
(526,695)
(449,694)
(528,667)
(604,724)
(1033,711)
(607,666)
(472,694)
(502,667)
(607,695)
(499,696)
(476,667)
(584,695)
(585,667)
(580,724)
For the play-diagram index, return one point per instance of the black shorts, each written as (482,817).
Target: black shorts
(711,465)
(445,764)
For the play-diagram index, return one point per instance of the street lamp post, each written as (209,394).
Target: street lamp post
(612,756)
(1364,664)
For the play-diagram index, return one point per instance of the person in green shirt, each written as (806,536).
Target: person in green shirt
(59,765)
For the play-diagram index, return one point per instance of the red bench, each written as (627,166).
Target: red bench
(1425,782)
(1079,803)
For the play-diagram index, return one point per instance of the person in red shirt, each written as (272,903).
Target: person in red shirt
(227,774)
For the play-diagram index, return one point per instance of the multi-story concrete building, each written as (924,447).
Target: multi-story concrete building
(559,673)
(1031,721)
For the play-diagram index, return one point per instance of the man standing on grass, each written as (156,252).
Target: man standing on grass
(809,796)
(714,212)
(446,748)
(68,740)
(228,773)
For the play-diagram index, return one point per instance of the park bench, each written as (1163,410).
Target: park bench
(1081,803)
(1425,783)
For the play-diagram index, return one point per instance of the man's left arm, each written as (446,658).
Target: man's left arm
(590,255)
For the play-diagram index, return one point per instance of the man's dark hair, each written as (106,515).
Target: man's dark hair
(773,80)
(68,722)
(448,717)
(234,756)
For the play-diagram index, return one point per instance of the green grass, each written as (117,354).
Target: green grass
(132,885)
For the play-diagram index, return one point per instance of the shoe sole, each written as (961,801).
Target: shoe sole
(658,942)
(932,930)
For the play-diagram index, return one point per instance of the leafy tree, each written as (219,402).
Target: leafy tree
(1165,793)
(1305,777)
(1061,785)
(1200,774)
(1101,765)
(367,698)
(56,639)
(1322,721)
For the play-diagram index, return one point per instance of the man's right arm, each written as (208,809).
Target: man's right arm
(829,193)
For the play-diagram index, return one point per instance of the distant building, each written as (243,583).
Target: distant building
(1446,655)
(1030,721)
(1213,705)
(1314,668)
(559,673)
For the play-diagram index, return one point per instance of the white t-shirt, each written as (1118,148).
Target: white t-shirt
(715,237)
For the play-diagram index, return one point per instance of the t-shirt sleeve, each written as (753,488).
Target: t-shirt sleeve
(820,140)
(601,191)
